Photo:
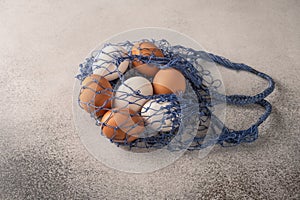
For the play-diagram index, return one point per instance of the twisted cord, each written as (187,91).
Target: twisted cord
(242,99)
(250,134)
(233,137)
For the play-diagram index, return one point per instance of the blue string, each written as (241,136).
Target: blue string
(250,134)
(243,99)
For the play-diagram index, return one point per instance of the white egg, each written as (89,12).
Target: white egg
(125,96)
(104,65)
(156,117)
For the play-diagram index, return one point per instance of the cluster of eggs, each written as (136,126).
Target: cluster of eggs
(123,113)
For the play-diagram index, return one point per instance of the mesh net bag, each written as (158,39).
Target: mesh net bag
(150,94)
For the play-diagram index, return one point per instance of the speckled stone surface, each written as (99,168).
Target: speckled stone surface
(41,44)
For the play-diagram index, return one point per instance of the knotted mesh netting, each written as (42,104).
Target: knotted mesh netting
(151,94)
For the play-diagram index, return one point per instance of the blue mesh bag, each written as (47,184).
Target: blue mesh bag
(150,94)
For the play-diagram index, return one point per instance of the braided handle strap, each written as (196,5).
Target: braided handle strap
(233,137)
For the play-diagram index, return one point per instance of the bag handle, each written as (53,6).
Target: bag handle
(234,137)
(242,99)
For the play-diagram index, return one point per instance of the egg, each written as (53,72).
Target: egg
(168,81)
(147,69)
(122,125)
(146,49)
(156,115)
(125,96)
(95,95)
(105,66)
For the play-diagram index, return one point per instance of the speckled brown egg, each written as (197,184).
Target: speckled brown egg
(168,81)
(146,49)
(95,95)
(122,125)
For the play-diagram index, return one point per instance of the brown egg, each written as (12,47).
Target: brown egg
(147,69)
(122,125)
(96,92)
(168,81)
(146,49)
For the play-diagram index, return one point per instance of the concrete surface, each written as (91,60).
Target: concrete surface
(42,43)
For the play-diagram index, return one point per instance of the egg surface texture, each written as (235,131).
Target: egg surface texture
(146,49)
(122,125)
(125,96)
(157,116)
(95,95)
(105,62)
(168,81)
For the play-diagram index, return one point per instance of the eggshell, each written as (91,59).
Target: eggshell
(146,49)
(147,69)
(155,116)
(124,94)
(96,92)
(122,125)
(168,81)
(104,66)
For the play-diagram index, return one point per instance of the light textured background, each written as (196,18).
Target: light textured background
(42,43)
